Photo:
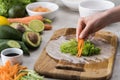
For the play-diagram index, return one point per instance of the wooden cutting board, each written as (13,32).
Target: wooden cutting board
(46,66)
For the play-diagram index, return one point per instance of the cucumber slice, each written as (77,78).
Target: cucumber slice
(36,25)
(13,44)
(9,44)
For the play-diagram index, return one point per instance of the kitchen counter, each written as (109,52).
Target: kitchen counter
(67,18)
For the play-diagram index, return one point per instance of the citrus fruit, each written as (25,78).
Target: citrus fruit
(3,21)
(36,25)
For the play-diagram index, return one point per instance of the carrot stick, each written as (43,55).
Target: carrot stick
(80,47)
(20,75)
(9,72)
(25,20)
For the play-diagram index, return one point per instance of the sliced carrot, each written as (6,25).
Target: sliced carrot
(25,20)
(80,47)
(9,72)
(20,75)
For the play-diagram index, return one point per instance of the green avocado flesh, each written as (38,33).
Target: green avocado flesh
(32,39)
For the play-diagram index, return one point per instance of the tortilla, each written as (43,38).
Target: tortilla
(53,50)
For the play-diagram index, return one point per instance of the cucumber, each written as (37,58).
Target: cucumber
(7,32)
(9,44)
(23,46)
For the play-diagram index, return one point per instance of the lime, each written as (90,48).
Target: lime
(3,21)
(36,25)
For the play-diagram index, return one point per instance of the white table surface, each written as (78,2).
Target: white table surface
(67,18)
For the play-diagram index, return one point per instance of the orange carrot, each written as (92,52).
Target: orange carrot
(48,27)
(9,72)
(25,20)
(80,47)
(20,75)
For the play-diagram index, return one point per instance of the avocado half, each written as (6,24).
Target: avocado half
(20,27)
(32,39)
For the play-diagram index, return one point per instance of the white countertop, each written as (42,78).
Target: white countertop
(67,18)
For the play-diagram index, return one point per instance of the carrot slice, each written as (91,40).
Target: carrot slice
(80,47)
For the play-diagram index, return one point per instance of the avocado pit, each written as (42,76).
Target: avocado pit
(33,37)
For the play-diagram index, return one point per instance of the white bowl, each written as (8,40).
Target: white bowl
(16,59)
(51,14)
(90,7)
(72,4)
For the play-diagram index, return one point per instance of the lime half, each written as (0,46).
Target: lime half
(36,25)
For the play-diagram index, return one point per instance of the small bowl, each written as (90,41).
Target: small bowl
(90,7)
(72,4)
(14,55)
(51,6)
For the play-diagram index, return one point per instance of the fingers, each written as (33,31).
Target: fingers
(79,28)
(86,32)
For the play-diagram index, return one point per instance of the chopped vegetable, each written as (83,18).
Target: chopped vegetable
(17,72)
(71,47)
(90,49)
(31,75)
(9,72)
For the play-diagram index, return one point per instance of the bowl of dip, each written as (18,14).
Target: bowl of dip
(46,9)
(14,55)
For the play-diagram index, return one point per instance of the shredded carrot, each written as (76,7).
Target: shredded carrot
(20,75)
(25,20)
(9,72)
(80,47)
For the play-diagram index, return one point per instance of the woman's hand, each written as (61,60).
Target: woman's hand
(91,24)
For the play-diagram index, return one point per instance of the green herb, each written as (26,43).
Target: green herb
(70,46)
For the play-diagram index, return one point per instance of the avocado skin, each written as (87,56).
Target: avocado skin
(7,32)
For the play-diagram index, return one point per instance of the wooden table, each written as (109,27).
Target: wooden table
(67,18)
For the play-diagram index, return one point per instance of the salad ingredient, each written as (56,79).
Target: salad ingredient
(89,49)
(3,21)
(41,9)
(31,75)
(20,27)
(21,45)
(32,39)
(9,72)
(9,44)
(25,20)
(71,47)
(17,11)
(47,26)
(80,47)
(5,5)
(36,25)
(47,21)
(7,32)
(17,72)
(24,48)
